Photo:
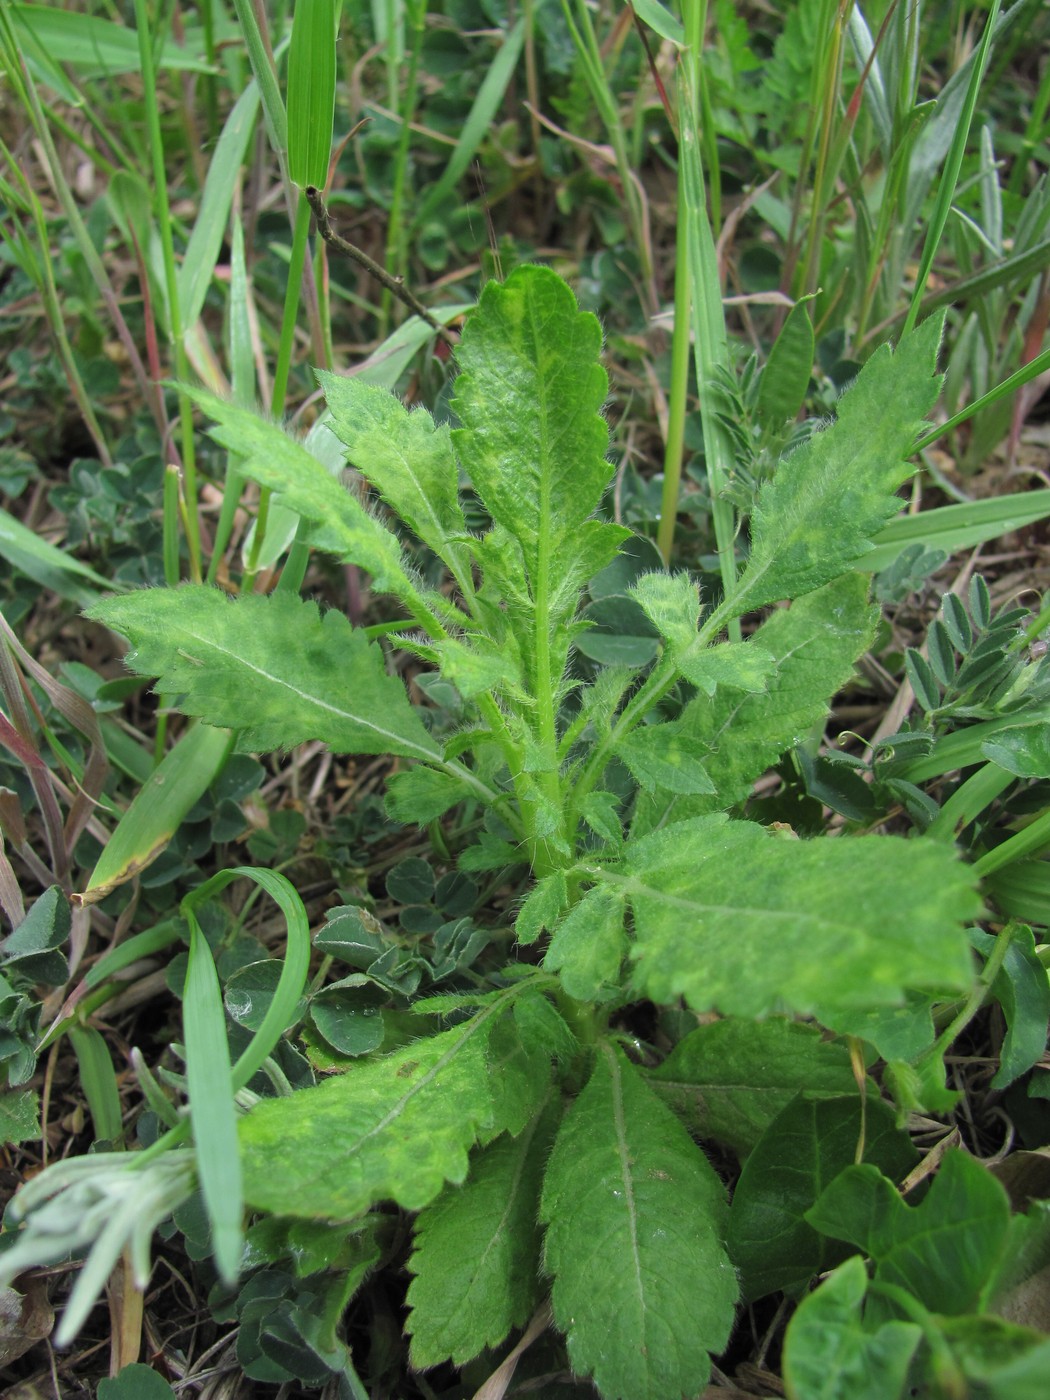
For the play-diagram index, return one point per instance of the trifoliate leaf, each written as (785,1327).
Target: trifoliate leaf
(395,1128)
(729,1079)
(341,525)
(733,916)
(273,667)
(635,1219)
(477,1250)
(831,495)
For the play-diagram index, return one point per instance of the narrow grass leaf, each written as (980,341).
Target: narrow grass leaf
(478,124)
(209,229)
(97,46)
(157,811)
(785,938)
(283,1008)
(98,1081)
(952,528)
(49,566)
(660,20)
(212,1113)
(635,1219)
(311,91)
(272,666)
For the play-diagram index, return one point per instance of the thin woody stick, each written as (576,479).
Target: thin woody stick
(395,285)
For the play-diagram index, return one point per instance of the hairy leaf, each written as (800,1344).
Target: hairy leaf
(814,645)
(477,1250)
(733,916)
(729,1079)
(835,492)
(341,525)
(635,1217)
(533,443)
(273,667)
(406,457)
(588,946)
(395,1128)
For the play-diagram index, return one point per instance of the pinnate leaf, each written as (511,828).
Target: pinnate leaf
(635,1218)
(273,667)
(813,645)
(477,1249)
(733,916)
(396,1128)
(405,456)
(835,492)
(274,459)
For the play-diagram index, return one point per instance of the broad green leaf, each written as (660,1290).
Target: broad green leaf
(635,1219)
(35,946)
(943,1250)
(1000,1361)
(533,440)
(830,1355)
(406,457)
(735,917)
(395,1128)
(785,377)
(805,1147)
(340,523)
(1023,992)
(274,667)
(814,645)
(729,1079)
(541,908)
(830,496)
(588,946)
(477,1252)
(135,1382)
